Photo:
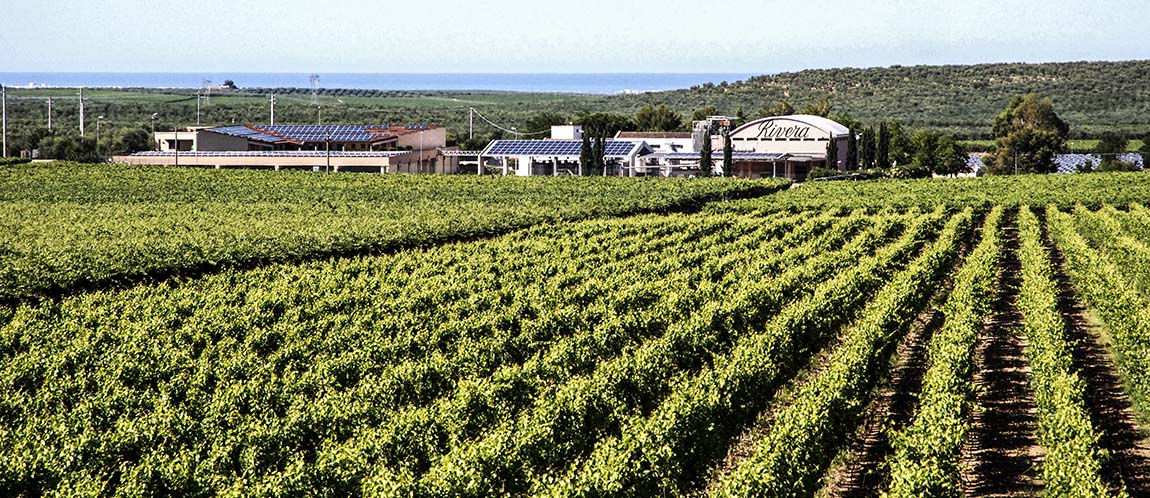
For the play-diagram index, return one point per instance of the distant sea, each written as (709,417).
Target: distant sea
(593,83)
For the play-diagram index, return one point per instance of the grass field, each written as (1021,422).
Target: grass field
(207,333)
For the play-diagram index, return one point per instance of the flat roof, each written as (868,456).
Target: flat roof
(654,134)
(563,148)
(275,134)
(718,156)
(278,153)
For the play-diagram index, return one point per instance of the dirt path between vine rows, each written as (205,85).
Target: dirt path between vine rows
(1001,454)
(863,470)
(1109,405)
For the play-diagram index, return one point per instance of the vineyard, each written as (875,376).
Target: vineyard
(206,333)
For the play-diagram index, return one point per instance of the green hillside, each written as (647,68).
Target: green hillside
(1090,96)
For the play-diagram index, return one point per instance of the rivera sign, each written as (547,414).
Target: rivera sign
(771,130)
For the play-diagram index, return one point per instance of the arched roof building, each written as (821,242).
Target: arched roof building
(799,140)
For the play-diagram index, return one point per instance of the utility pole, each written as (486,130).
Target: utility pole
(81,111)
(4,99)
(49,113)
(199,95)
(470,123)
(272,99)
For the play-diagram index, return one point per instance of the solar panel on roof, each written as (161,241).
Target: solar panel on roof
(320,133)
(294,153)
(555,148)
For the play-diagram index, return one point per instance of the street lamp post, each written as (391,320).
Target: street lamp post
(155,143)
(421,151)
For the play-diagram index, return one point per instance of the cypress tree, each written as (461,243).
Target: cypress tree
(852,150)
(882,148)
(705,163)
(585,155)
(728,151)
(599,154)
(866,149)
(832,154)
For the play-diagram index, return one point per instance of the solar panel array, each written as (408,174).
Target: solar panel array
(321,133)
(246,132)
(1069,163)
(554,148)
(284,153)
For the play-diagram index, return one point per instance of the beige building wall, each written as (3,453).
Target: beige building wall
(433,138)
(166,140)
(390,164)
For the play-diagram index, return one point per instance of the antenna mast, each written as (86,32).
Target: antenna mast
(4,98)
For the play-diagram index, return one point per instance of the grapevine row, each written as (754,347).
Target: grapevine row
(1073,460)
(807,434)
(1106,287)
(677,442)
(484,399)
(568,422)
(71,227)
(925,457)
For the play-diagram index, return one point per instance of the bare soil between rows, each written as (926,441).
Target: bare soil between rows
(1111,410)
(1001,456)
(864,471)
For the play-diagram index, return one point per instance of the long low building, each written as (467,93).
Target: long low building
(382,148)
(780,146)
(371,162)
(561,157)
(346,138)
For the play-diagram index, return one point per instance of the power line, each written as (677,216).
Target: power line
(492,123)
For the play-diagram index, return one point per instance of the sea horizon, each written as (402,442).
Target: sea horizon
(542,82)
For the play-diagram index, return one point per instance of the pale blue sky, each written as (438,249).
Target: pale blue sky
(739,36)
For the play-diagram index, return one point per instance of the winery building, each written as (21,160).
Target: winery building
(780,146)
